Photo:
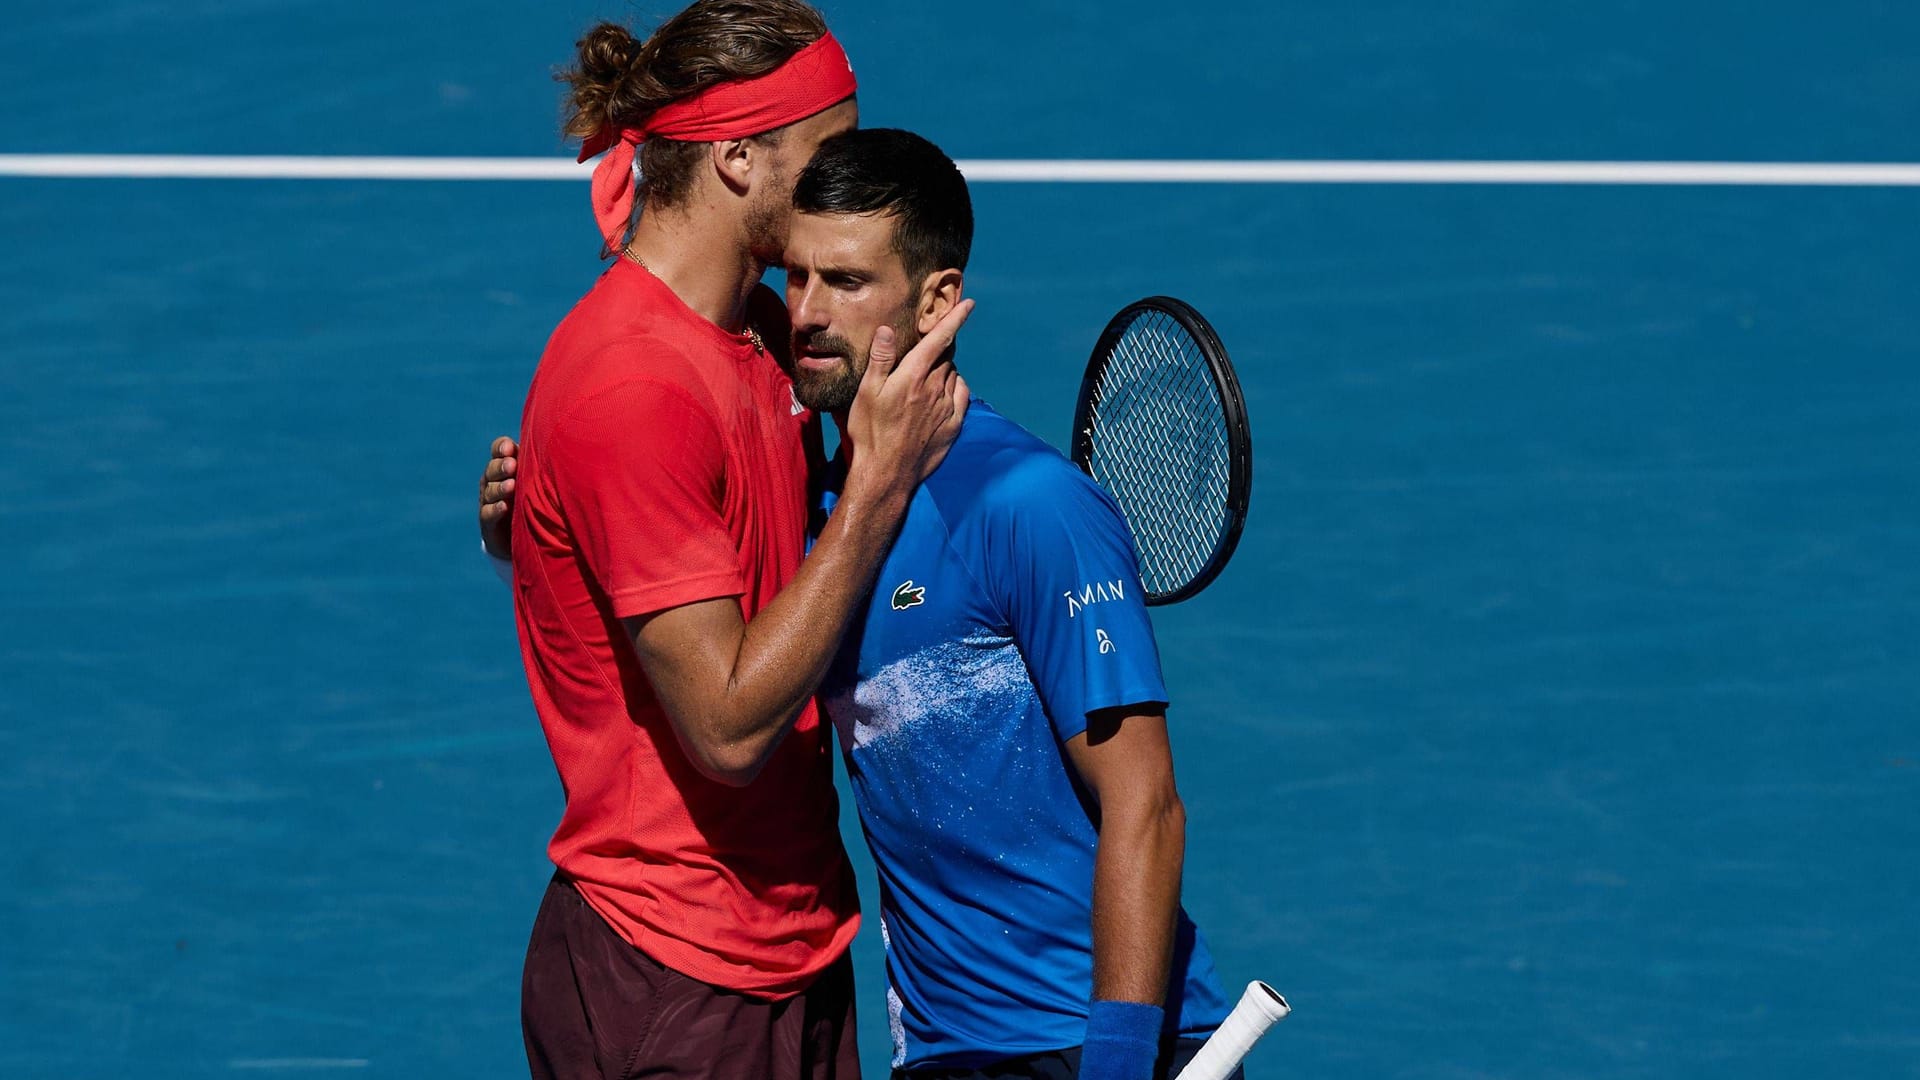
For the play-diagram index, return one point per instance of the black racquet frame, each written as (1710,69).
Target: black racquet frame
(1233,405)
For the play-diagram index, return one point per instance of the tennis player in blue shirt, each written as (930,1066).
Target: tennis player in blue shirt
(1000,704)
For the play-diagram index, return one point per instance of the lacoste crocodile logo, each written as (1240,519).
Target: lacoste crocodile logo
(907,596)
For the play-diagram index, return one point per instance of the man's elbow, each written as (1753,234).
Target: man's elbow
(1154,810)
(714,745)
(1171,814)
(735,764)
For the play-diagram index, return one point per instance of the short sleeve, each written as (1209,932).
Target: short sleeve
(640,472)
(1064,573)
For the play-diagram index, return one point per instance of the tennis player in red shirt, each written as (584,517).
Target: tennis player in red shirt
(699,920)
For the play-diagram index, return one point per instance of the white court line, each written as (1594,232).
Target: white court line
(297,1063)
(1711,173)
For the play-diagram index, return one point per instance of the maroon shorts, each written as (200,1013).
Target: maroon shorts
(593,1006)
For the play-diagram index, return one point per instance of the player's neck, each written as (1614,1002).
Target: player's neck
(702,258)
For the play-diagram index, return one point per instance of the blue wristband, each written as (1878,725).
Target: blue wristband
(1123,1041)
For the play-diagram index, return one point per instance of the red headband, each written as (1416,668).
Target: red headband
(813,80)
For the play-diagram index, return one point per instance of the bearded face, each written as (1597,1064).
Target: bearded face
(844,282)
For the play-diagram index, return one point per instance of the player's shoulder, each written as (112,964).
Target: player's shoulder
(626,326)
(629,367)
(617,382)
(998,471)
(599,346)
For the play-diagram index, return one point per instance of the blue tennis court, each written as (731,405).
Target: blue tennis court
(1558,717)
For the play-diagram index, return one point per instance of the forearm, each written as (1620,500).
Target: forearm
(1136,898)
(731,687)
(786,649)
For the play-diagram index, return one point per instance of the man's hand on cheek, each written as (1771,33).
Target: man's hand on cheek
(908,410)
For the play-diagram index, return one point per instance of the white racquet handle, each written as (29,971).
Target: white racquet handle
(1260,1008)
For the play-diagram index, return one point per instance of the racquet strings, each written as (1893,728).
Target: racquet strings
(1159,445)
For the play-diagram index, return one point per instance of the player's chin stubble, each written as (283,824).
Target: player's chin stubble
(831,391)
(826,391)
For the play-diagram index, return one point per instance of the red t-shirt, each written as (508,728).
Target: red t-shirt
(664,461)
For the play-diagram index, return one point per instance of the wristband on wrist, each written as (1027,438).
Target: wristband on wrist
(1123,1041)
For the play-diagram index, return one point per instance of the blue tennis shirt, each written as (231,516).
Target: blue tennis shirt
(1009,608)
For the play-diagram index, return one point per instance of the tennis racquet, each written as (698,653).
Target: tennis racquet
(1161,425)
(1260,1008)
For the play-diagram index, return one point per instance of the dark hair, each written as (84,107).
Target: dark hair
(898,173)
(619,81)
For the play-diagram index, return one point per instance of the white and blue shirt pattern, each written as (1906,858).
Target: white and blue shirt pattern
(1009,608)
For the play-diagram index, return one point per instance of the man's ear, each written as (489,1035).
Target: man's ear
(938,293)
(734,161)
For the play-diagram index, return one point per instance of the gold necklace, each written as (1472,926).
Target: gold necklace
(753,336)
